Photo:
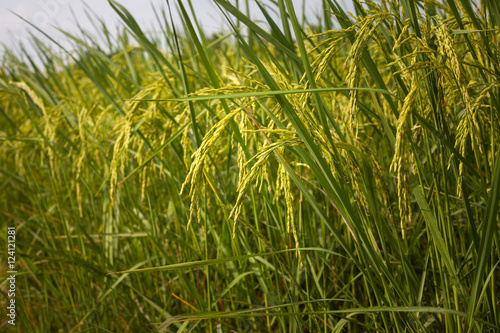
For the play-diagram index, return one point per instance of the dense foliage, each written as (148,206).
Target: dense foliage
(341,174)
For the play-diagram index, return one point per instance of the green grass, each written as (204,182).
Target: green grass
(335,175)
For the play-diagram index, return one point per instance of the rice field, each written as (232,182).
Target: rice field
(340,174)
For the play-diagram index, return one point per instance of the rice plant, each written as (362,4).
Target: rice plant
(340,175)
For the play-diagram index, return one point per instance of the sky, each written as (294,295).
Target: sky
(65,14)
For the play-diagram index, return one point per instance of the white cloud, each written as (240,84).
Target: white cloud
(46,14)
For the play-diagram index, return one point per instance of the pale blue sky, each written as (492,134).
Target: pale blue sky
(48,13)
